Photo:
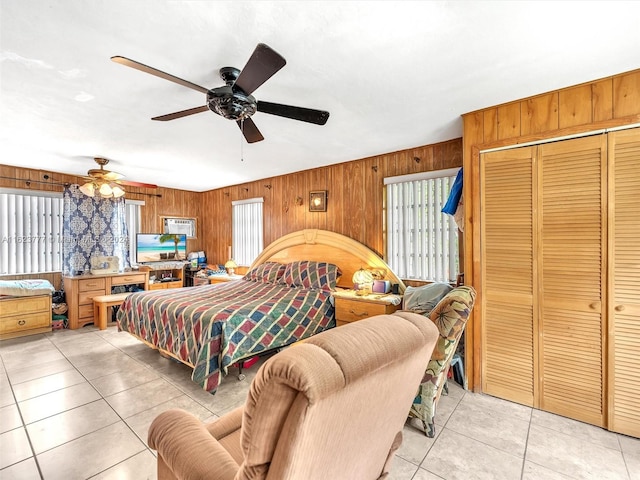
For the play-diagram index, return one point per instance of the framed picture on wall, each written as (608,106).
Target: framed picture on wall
(179,225)
(318,201)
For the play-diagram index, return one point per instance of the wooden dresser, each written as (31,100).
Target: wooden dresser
(80,290)
(20,316)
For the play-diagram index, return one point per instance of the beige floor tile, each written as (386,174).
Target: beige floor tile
(113,362)
(633,465)
(56,402)
(20,361)
(401,469)
(445,407)
(141,421)
(6,397)
(23,344)
(533,471)
(91,454)
(142,397)
(576,458)
(500,406)
(67,426)
(25,470)
(504,432)
(580,430)
(9,418)
(629,444)
(457,457)
(142,466)
(48,384)
(31,373)
(123,380)
(422,474)
(415,444)
(14,447)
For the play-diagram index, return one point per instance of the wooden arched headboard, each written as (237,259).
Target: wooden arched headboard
(325,246)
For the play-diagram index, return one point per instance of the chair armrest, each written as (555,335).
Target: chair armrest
(188,449)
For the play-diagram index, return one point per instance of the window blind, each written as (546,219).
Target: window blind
(422,242)
(247,240)
(30,231)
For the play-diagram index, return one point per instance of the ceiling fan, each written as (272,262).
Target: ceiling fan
(234,100)
(107,184)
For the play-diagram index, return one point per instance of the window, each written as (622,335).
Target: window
(247,230)
(31,230)
(422,242)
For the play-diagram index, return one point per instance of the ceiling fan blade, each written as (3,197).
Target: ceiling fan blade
(319,117)
(129,183)
(183,113)
(262,64)
(249,130)
(158,73)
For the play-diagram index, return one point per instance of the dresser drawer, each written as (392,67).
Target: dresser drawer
(134,278)
(17,323)
(85,298)
(20,305)
(352,310)
(85,311)
(91,284)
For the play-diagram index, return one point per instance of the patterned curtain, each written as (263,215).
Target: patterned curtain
(92,226)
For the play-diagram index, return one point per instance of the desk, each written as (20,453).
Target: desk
(80,290)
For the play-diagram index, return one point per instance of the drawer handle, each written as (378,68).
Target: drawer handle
(619,308)
(22,322)
(363,314)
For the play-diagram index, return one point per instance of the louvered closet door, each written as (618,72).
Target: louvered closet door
(624,312)
(507,198)
(571,281)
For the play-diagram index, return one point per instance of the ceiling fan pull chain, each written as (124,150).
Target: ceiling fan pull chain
(242,140)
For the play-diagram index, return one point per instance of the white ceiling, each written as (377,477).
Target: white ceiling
(393,75)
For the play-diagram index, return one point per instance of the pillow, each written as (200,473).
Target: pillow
(268,272)
(309,274)
(425,298)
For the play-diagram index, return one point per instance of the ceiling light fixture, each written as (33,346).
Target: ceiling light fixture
(102,189)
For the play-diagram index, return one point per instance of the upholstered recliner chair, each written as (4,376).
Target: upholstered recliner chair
(450,315)
(331,407)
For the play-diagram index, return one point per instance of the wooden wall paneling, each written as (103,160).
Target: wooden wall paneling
(372,187)
(575,106)
(509,121)
(490,121)
(539,114)
(336,205)
(602,100)
(276,217)
(626,94)
(354,202)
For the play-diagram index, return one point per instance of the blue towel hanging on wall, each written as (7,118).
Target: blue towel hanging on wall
(454,195)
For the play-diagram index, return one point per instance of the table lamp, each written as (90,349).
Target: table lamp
(230,266)
(362,282)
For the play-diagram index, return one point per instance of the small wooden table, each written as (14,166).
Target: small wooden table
(101,305)
(224,278)
(351,307)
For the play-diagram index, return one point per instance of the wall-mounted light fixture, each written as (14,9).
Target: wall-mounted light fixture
(318,201)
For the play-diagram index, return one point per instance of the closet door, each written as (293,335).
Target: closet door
(624,282)
(571,282)
(508,272)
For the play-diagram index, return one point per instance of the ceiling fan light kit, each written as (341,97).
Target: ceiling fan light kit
(234,101)
(107,184)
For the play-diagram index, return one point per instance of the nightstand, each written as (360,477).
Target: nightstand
(224,278)
(351,307)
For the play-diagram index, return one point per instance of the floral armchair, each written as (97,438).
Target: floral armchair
(450,316)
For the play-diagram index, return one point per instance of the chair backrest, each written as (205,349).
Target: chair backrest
(334,406)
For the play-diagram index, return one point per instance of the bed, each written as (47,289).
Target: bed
(285,297)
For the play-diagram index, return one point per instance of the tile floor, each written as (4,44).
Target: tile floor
(77,405)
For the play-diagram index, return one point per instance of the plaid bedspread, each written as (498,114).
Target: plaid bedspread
(214,326)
